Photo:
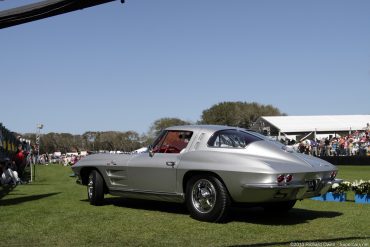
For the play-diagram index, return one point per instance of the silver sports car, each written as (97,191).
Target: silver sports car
(209,168)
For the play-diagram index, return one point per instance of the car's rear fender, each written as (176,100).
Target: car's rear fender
(189,174)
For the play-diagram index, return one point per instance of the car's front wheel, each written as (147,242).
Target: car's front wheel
(95,188)
(207,198)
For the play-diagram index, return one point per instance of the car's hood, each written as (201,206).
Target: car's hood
(271,152)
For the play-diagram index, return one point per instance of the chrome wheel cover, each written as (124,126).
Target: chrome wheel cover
(203,196)
(90,186)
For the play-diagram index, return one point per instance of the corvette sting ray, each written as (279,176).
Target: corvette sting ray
(209,168)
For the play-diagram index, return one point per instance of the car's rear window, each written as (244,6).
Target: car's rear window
(231,139)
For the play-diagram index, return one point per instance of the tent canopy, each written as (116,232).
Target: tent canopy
(303,124)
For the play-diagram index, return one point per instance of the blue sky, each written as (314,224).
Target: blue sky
(123,66)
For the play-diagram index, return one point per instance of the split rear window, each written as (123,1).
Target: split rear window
(232,139)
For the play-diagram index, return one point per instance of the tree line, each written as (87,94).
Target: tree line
(239,114)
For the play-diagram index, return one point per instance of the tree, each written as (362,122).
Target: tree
(113,140)
(239,114)
(163,123)
(109,140)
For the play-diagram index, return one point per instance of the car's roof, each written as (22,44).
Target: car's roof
(206,128)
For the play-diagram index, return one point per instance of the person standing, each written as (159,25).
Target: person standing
(327,147)
(19,161)
(314,145)
(350,147)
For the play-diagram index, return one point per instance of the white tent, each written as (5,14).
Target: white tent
(304,124)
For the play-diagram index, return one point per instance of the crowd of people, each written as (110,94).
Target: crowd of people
(63,159)
(357,143)
(12,169)
(15,155)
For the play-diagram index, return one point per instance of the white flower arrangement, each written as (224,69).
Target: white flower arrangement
(361,187)
(358,186)
(338,188)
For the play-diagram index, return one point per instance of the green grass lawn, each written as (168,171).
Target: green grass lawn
(53,211)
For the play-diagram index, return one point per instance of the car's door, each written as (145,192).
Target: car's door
(153,174)
(156,171)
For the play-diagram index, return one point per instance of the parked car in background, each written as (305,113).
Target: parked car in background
(209,168)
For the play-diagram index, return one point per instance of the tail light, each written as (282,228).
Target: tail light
(280,178)
(288,178)
(284,178)
(333,174)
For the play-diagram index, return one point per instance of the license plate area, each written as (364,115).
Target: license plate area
(312,184)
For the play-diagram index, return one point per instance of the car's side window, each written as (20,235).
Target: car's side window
(231,139)
(172,141)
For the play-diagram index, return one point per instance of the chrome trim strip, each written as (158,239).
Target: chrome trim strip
(288,186)
(179,196)
(272,186)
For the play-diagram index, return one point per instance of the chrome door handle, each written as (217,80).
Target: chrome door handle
(170,163)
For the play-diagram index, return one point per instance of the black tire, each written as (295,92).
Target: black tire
(95,188)
(207,199)
(279,207)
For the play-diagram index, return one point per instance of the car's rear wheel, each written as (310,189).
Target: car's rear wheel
(279,206)
(95,188)
(207,199)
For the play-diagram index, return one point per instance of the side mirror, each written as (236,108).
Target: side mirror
(151,152)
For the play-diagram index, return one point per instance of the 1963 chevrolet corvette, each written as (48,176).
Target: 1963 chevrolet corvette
(209,168)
